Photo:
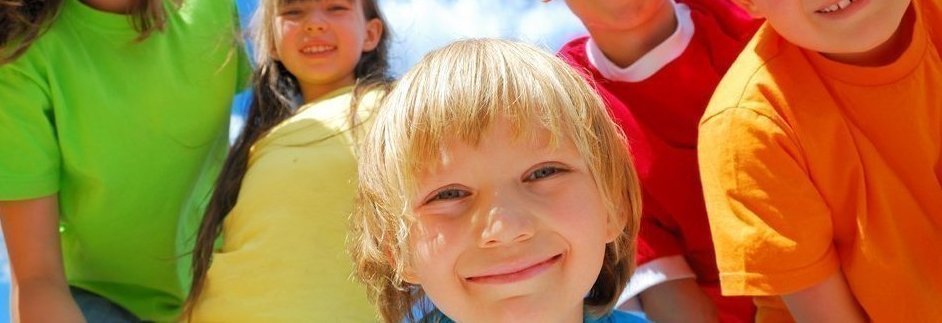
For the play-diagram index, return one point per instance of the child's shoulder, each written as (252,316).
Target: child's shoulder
(767,65)
(574,51)
(931,12)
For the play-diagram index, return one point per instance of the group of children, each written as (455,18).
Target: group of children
(759,160)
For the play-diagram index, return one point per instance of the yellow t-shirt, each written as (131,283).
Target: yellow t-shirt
(811,166)
(284,256)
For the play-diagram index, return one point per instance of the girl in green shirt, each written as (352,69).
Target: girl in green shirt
(113,111)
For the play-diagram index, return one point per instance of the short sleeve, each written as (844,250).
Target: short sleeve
(771,228)
(29,152)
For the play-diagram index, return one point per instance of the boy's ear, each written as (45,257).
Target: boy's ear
(374,32)
(750,7)
(408,275)
(615,227)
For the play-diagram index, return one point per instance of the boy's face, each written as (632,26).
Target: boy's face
(509,229)
(616,15)
(832,26)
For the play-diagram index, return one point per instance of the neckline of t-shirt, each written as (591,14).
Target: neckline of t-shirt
(878,75)
(326,97)
(652,61)
(81,13)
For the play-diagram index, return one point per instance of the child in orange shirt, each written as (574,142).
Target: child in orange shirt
(820,160)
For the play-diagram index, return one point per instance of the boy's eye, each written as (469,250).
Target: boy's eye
(448,194)
(337,8)
(544,172)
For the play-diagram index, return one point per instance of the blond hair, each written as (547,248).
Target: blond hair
(457,92)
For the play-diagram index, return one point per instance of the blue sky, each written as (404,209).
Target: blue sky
(420,26)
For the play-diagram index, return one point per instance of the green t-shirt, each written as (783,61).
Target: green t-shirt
(129,134)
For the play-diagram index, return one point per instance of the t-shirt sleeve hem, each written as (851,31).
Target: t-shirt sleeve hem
(780,283)
(24,188)
(655,272)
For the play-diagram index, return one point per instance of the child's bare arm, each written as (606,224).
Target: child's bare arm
(679,300)
(39,292)
(828,301)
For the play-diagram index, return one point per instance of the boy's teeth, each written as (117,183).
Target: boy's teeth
(837,6)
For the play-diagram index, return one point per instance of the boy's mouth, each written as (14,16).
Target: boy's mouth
(515,273)
(837,6)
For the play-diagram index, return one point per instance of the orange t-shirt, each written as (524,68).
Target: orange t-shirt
(811,166)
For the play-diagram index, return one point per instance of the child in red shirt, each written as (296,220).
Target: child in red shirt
(656,63)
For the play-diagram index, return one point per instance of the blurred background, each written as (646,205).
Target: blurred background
(419,26)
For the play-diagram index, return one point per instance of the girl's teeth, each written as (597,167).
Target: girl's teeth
(317,49)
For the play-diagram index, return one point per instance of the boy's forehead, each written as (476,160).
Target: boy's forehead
(528,137)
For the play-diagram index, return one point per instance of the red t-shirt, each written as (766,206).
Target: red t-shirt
(660,115)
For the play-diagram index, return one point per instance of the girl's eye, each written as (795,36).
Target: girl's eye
(544,172)
(338,8)
(448,194)
(291,13)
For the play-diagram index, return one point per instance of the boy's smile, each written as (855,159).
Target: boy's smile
(844,30)
(843,8)
(513,271)
(837,6)
(513,226)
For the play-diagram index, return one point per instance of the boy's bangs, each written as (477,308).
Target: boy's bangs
(491,87)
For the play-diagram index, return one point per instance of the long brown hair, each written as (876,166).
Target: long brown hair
(23,21)
(273,101)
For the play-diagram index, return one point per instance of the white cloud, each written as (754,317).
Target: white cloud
(420,26)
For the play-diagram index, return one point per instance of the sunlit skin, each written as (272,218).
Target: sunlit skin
(508,229)
(626,29)
(867,32)
(112,6)
(321,41)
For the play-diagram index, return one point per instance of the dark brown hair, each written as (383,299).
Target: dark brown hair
(273,100)
(23,21)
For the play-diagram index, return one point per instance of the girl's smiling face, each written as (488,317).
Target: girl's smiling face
(320,42)
(511,227)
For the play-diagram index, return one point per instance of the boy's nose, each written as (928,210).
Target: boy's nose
(506,222)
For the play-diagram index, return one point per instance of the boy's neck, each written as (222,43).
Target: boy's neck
(625,47)
(113,6)
(887,52)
